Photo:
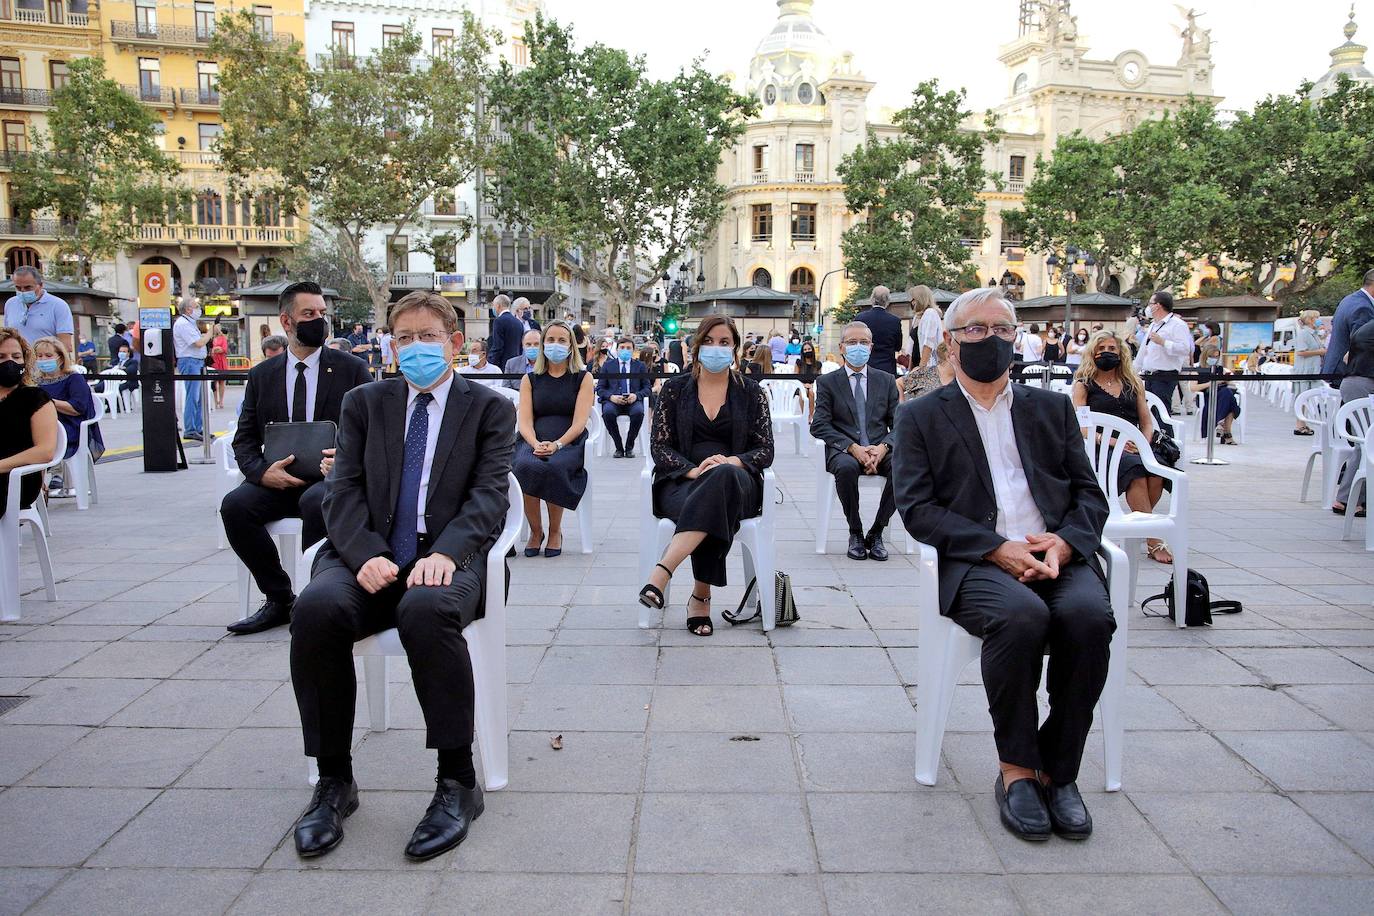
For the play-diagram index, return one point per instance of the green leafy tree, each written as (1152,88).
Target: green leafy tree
(919,193)
(361,142)
(321,258)
(609,164)
(99,167)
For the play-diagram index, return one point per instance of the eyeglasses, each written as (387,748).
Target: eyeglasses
(405,340)
(976,332)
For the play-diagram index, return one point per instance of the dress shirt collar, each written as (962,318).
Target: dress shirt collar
(851,372)
(439,392)
(1003,398)
(311,362)
(1368,295)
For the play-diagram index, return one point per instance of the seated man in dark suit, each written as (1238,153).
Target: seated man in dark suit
(523,362)
(887,331)
(621,396)
(418,498)
(308,382)
(995,477)
(854,413)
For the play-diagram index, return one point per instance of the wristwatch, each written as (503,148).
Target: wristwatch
(558,445)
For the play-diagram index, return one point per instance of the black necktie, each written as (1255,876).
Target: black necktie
(625,368)
(298,395)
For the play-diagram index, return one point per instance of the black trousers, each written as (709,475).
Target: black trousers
(847,471)
(1162,385)
(245,512)
(610,412)
(1071,617)
(334,611)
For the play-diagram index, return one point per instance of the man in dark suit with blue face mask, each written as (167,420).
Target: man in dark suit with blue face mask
(620,395)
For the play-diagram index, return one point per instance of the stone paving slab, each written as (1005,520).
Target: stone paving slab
(744,773)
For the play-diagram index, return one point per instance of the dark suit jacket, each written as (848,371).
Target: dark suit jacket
(516,363)
(609,381)
(504,341)
(887,338)
(1361,353)
(836,420)
(467,497)
(944,486)
(264,401)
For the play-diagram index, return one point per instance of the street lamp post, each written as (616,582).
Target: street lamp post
(820,298)
(1066,268)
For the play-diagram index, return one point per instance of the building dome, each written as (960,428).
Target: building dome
(792,60)
(1348,60)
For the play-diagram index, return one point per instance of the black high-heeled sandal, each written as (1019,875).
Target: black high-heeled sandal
(650,595)
(700,626)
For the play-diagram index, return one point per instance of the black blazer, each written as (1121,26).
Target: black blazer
(944,487)
(609,380)
(836,420)
(671,442)
(504,341)
(264,401)
(467,497)
(887,338)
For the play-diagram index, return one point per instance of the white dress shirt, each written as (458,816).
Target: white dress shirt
(850,372)
(436,416)
(1176,352)
(1032,348)
(929,330)
(185,333)
(312,381)
(486,369)
(1017,513)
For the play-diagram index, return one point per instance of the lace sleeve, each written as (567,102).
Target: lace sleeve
(668,461)
(758,452)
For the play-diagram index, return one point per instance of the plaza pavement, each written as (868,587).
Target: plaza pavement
(157,767)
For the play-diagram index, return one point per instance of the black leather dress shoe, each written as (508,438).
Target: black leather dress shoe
(857,549)
(1068,815)
(1022,807)
(877,550)
(271,614)
(629,453)
(446,820)
(320,828)
(620,453)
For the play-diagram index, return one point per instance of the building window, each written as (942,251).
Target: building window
(802,282)
(207,82)
(262,20)
(145,18)
(806,94)
(59,74)
(398,256)
(1016,168)
(761,160)
(519,52)
(491,257)
(342,40)
(770,95)
(803,222)
(209,135)
(267,211)
(10,75)
(522,254)
(540,266)
(391,34)
(507,254)
(209,208)
(205,19)
(806,161)
(763,278)
(441,41)
(1021,84)
(149,79)
(15,141)
(763,222)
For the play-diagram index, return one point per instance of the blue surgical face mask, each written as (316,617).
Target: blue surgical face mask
(28,296)
(857,354)
(423,363)
(556,352)
(47,366)
(625,355)
(716,359)
(531,353)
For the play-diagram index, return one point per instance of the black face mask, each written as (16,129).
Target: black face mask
(1107,361)
(312,333)
(11,374)
(985,360)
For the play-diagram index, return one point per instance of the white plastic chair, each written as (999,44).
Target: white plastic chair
(826,496)
(1317,408)
(829,366)
(287,531)
(787,406)
(1171,425)
(14,519)
(130,400)
(109,398)
(1237,427)
(1354,423)
(79,470)
(227,478)
(603,445)
(486,639)
(945,649)
(755,537)
(1127,526)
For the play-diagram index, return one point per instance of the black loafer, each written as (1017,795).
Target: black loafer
(629,453)
(877,550)
(1022,807)
(271,614)
(1068,815)
(320,828)
(620,453)
(446,820)
(857,549)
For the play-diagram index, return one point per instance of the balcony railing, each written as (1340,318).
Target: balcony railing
(1014,249)
(971,243)
(35,228)
(32,98)
(806,176)
(538,282)
(1016,185)
(195,157)
(219,235)
(208,97)
(455,210)
(153,95)
(10,157)
(40,17)
(760,176)
(157,33)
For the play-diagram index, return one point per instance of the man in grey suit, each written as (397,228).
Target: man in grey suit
(524,362)
(855,409)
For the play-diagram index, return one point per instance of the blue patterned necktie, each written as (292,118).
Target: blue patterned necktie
(405,540)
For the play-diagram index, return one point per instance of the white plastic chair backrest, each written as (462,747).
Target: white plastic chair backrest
(1106,454)
(227,462)
(1354,421)
(829,366)
(1317,405)
(511,394)
(17,474)
(670,368)
(78,369)
(114,370)
(783,397)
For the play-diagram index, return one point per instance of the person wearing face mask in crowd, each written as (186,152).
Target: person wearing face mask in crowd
(1308,350)
(712,440)
(1228,405)
(523,362)
(794,345)
(1077,345)
(994,476)
(34,312)
(27,416)
(70,394)
(622,395)
(190,350)
(808,370)
(306,383)
(419,497)
(550,454)
(479,365)
(855,408)
(1166,347)
(1106,383)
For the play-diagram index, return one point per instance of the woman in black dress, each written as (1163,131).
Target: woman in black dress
(550,462)
(27,417)
(712,440)
(808,370)
(1107,383)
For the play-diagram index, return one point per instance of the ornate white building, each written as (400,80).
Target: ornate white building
(1346,60)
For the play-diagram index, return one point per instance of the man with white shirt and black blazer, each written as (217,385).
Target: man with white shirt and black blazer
(622,390)
(307,382)
(855,408)
(418,498)
(994,476)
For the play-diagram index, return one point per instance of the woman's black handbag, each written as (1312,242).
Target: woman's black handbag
(1165,448)
(1200,608)
(784,606)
